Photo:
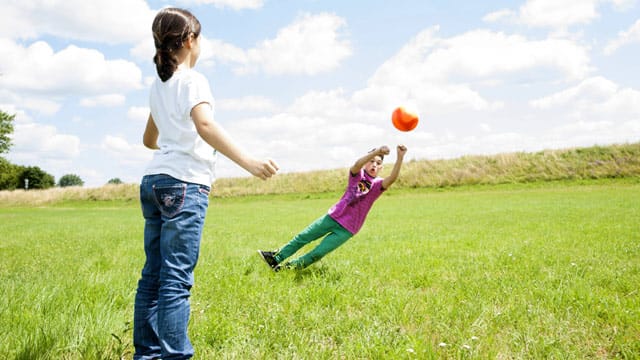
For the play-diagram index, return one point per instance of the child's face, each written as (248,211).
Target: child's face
(193,47)
(195,50)
(374,166)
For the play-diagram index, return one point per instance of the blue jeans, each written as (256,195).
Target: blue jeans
(174,213)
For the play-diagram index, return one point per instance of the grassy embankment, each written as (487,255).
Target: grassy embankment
(597,162)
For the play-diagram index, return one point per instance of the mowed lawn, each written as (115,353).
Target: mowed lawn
(511,271)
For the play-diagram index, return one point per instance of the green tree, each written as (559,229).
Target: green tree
(38,179)
(114,181)
(70,180)
(6,129)
(9,175)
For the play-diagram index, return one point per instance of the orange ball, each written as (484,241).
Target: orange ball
(404,120)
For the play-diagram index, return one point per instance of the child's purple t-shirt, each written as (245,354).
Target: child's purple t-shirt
(352,209)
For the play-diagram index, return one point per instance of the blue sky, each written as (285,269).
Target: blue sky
(312,84)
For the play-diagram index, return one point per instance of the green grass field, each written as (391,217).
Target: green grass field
(547,270)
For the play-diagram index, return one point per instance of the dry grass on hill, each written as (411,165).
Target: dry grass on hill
(582,163)
(597,162)
(71,193)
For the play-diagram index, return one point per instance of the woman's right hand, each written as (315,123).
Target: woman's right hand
(263,169)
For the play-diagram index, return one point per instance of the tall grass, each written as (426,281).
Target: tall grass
(597,162)
(498,272)
(583,163)
(111,192)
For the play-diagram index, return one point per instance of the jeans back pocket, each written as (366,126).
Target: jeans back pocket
(170,198)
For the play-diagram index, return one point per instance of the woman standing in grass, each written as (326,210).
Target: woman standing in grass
(175,188)
(346,217)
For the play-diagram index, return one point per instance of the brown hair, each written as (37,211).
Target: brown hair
(171,28)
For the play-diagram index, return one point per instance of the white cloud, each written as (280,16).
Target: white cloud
(144,50)
(632,35)
(233,4)
(623,5)
(595,111)
(247,103)
(73,70)
(555,14)
(310,45)
(558,14)
(591,90)
(125,152)
(314,115)
(148,80)
(584,127)
(483,53)
(498,15)
(328,104)
(34,142)
(40,105)
(218,50)
(108,100)
(595,98)
(138,113)
(114,22)
(588,133)
(440,74)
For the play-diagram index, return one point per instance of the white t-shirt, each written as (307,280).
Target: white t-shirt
(183,154)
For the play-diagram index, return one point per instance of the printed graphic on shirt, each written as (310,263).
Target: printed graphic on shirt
(364,186)
(358,192)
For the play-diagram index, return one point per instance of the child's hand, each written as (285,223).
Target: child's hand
(383,150)
(263,169)
(401,150)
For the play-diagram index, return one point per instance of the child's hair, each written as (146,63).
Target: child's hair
(171,27)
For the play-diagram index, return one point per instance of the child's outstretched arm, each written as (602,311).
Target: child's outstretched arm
(215,136)
(389,180)
(382,150)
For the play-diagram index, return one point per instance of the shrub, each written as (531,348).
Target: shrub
(38,179)
(70,180)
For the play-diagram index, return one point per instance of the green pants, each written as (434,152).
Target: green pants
(336,235)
